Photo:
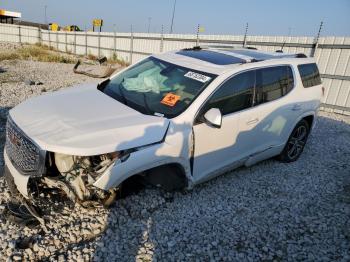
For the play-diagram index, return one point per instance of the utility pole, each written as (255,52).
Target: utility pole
(319,32)
(149,24)
(245,35)
(315,45)
(172,19)
(45,7)
(285,40)
(197,41)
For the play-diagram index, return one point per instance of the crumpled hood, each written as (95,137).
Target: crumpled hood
(84,121)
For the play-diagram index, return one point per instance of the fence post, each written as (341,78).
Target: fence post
(131,45)
(57,40)
(65,40)
(75,42)
(19,34)
(162,40)
(39,35)
(115,42)
(99,44)
(86,46)
(49,37)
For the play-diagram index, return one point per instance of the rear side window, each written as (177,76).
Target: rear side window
(234,95)
(309,75)
(273,83)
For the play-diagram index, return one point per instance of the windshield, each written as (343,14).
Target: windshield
(156,87)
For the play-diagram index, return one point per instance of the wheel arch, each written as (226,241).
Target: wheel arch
(170,176)
(308,116)
(309,119)
(115,177)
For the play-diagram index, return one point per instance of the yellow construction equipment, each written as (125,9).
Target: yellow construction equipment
(71,28)
(54,27)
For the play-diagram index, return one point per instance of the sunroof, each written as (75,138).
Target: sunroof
(211,57)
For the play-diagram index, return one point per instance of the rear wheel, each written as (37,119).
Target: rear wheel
(296,142)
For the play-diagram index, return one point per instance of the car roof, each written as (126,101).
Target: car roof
(218,60)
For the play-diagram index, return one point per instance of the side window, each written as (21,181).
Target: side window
(273,83)
(309,75)
(234,95)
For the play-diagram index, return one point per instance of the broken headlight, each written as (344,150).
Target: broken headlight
(79,173)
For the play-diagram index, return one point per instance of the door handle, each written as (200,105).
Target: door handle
(252,121)
(296,107)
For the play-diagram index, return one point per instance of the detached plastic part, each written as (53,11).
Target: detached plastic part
(108,71)
(21,211)
(19,181)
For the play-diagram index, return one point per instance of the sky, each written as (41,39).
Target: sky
(265,17)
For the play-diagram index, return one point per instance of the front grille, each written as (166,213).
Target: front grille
(26,156)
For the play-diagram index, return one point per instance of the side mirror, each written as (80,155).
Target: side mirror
(213,117)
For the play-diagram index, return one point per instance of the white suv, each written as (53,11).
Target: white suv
(174,119)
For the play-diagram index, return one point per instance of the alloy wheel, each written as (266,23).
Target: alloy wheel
(297,142)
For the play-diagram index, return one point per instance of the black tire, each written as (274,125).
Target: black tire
(296,142)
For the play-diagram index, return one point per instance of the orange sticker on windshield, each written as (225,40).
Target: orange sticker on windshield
(170,99)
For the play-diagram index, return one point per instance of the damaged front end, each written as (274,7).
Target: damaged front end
(65,177)
(31,171)
(76,175)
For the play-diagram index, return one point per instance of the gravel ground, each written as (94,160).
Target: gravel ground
(271,211)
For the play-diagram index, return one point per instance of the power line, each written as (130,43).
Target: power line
(149,24)
(45,7)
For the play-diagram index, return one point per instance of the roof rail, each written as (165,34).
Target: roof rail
(195,48)
(250,47)
(219,47)
(300,55)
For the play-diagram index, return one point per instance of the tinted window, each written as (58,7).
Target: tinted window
(273,83)
(211,57)
(234,95)
(309,75)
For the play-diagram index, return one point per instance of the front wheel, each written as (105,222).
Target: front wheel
(296,142)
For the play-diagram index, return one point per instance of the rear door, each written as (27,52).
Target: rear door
(276,111)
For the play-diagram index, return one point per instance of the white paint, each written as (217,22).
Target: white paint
(84,121)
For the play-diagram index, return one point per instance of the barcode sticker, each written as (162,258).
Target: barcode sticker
(198,77)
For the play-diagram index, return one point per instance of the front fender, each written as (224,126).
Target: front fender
(142,160)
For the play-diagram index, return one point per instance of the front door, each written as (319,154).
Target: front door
(216,148)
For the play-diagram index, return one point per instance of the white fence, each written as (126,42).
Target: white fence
(331,53)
